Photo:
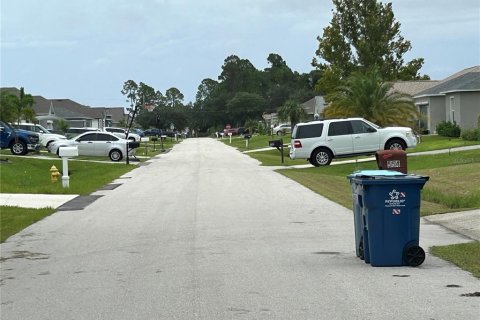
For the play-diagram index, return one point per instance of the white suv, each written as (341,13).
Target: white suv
(321,141)
(46,137)
(121,133)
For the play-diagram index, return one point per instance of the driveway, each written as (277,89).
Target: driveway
(204,232)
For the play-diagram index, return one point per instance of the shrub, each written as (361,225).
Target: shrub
(448,129)
(471,134)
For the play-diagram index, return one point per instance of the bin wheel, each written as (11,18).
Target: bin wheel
(361,251)
(414,256)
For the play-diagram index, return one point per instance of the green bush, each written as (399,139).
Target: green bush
(471,134)
(448,129)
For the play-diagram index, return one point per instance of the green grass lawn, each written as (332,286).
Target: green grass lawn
(15,219)
(444,192)
(464,255)
(434,142)
(32,175)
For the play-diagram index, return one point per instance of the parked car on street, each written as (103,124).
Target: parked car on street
(19,141)
(139,132)
(282,129)
(72,132)
(122,133)
(95,144)
(234,131)
(46,137)
(152,132)
(321,141)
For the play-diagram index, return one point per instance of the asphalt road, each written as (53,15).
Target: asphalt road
(204,232)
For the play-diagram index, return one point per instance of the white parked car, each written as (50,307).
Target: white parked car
(282,129)
(46,137)
(321,141)
(95,143)
(120,132)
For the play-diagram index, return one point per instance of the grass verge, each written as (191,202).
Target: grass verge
(451,186)
(32,175)
(464,255)
(15,219)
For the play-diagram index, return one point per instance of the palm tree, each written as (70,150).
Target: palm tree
(366,95)
(292,111)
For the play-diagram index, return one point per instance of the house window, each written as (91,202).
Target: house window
(452,109)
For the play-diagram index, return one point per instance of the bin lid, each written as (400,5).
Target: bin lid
(376,177)
(374,173)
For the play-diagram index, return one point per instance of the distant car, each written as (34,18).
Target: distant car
(46,136)
(120,132)
(152,132)
(234,131)
(282,129)
(138,131)
(73,132)
(95,144)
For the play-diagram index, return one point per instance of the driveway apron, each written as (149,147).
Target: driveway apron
(205,232)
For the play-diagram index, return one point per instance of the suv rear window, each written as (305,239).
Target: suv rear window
(309,131)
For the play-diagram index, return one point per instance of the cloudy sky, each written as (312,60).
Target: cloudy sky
(85,50)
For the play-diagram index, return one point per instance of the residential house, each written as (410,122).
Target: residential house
(314,107)
(75,114)
(455,99)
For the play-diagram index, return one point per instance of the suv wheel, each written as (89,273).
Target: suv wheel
(395,144)
(18,148)
(321,157)
(115,155)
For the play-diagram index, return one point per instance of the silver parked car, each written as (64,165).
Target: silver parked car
(282,129)
(95,143)
(122,133)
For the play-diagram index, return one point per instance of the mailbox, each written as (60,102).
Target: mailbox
(68,152)
(144,139)
(392,160)
(154,138)
(247,136)
(163,137)
(275,143)
(133,144)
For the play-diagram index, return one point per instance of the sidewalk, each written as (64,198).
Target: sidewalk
(35,200)
(466,223)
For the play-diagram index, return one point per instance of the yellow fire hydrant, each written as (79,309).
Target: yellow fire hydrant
(54,174)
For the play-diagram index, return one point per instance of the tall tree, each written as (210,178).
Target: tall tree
(367,95)
(7,109)
(15,108)
(173,97)
(245,105)
(361,36)
(293,112)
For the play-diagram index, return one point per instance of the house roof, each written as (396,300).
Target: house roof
(69,109)
(414,87)
(465,80)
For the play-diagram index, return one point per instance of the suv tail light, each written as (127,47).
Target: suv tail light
(297,144)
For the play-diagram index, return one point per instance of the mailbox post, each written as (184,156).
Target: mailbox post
(162,138)
(277,144)
(154,139)
(66,153)
(247,138)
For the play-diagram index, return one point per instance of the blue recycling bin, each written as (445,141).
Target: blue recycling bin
(386,207)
